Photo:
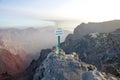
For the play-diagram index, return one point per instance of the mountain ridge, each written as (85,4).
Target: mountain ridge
(93,27)
(99,49)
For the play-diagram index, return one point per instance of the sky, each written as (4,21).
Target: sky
(61,13)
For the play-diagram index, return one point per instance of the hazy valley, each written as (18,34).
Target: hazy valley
(18,47)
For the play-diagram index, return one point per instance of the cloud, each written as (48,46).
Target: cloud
(85,10)
(91,10)
(61,12)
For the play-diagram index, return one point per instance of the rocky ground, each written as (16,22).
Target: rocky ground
(68,67)
(99,49)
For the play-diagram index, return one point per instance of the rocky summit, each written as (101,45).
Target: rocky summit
(68,67)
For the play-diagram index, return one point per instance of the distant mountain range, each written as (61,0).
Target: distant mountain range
(30,40)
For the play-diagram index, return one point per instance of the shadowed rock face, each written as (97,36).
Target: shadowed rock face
(10,63)
(30,70)
(6,76)
(68,67)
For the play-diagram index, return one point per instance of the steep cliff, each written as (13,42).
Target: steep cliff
(30,70)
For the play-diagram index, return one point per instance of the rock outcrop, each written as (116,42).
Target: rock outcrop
(30,70)
(68,67)
(99,49)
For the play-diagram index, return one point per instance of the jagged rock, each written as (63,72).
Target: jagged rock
(67,68)
(30,70)
(98,49)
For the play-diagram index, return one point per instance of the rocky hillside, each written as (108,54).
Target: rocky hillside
(99,49)
(67,67)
